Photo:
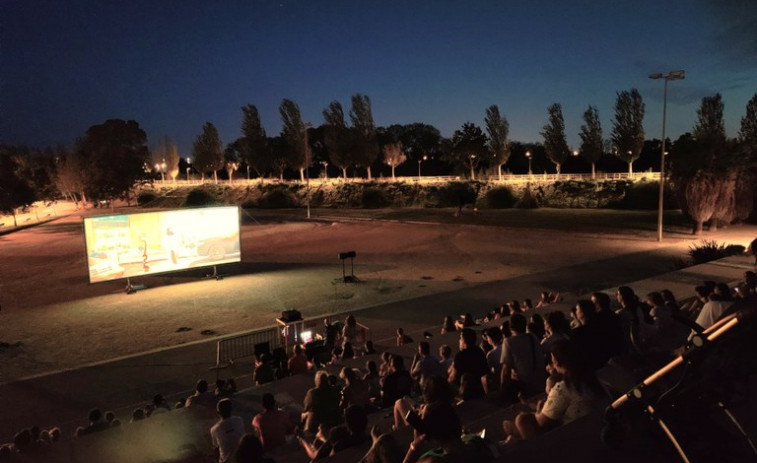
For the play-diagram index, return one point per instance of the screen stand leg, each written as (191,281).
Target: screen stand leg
(215,274)
(131,289)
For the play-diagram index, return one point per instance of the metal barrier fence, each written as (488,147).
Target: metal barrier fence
(244,345)
(282,335)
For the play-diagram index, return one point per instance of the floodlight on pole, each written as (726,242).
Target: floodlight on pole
(672,75)
(305,128)
(528,156)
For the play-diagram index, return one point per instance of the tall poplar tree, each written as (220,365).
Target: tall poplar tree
(254,143)
(294,134)
(591,138)
(628,128)
(364,130)
(555,144)
(498,129)
(337,137)
(207,152)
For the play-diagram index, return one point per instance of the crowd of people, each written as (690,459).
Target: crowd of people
(519,353)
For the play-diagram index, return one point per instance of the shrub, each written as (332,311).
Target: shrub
(279,198)
(527,201)
(201,197)
(711,250)
(458,194)
(499,198)
(374,198)
(146,197)
(646,195)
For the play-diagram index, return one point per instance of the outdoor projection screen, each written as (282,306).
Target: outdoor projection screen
(130,245)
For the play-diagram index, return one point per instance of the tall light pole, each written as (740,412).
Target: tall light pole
(528,156)
(672,75)
(189,166)
(419,166)
(305,146)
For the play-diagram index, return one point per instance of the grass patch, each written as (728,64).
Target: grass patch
(578,220)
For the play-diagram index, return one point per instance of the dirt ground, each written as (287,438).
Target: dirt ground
(53,319)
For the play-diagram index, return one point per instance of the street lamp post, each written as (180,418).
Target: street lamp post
(672,75)
(163,171)
(248,172)
(189,166)
(325,170)
(419,167)
(307,125)
(528,156)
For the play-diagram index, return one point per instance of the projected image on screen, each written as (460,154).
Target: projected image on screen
(123,246)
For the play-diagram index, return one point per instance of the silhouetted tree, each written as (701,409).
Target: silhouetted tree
(337,137)
(115,155)
(591,138)
(393,155)
(253,145)
(628,127)
(555,144)
(15,191)
(420,140)
(70,175)
(468,147)
(294,134)
(365,143)
(207,152)
(498,129)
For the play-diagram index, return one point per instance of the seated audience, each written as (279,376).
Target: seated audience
(336,356)
(464,321)
(250,450)
(384,449)
(536,326)
(226,433)
(298,362)
(556,327)
(355,391)
(321,404)
(469,359)
(372,378)
(159,405)
(424,364)
(352,333)
(711,311)
(445,358)
(436,392)
(347,351)
(264,372)
(522,362)
(96,423)
(397,383)
(448,325)
(576,395)
(201,396)
(272,425)
(402,338)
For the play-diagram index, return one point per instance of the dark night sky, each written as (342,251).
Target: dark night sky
(172,65)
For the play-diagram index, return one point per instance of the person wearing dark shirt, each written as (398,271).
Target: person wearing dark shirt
(397,383)
(321,404)
(263,370)
(470,359)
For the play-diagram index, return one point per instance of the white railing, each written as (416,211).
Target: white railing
(506,178)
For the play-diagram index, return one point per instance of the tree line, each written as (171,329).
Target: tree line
(709,170)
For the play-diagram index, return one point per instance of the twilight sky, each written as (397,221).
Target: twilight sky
(174,64)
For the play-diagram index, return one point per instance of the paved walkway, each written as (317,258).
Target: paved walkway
(65,397)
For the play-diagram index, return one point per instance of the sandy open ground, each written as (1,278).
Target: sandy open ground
(53,319)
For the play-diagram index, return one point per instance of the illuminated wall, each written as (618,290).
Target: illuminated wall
(123,246)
